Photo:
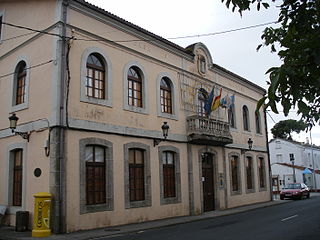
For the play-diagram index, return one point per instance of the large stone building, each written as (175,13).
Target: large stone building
(92,93)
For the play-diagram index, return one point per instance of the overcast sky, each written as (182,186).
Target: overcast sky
(235,51)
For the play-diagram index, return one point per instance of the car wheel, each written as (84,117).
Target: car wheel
(308,196)
(281,198)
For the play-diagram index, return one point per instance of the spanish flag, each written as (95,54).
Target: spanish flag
(216,102)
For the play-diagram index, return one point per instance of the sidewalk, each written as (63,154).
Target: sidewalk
(8,233)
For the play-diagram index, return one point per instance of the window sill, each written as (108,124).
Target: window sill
(96,101)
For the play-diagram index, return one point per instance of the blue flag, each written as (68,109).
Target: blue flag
(232,98)
(208,103)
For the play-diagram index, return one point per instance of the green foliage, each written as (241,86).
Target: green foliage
(296,83)
(283,129)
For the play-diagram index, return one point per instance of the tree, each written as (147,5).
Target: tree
(296,83)
(283,129)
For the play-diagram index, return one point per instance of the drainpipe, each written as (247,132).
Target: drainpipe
(267,144)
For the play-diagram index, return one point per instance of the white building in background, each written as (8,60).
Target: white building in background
(287,168)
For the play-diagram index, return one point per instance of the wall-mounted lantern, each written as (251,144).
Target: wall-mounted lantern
(250,142)
(13,124)
(26,135)
(165,130)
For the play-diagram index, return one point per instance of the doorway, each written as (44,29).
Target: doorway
(208,182)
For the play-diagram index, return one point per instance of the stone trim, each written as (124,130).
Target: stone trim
(215,174)
(11,148)
(174,97)
(13,106)
(107,101)
(252,174)
(177,198)
(147,176)
(261,189)
(145,102)
(108,206)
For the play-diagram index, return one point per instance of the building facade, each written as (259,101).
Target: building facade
(293,161)
(93,94)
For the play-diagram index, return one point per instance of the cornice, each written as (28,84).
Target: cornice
(127,27)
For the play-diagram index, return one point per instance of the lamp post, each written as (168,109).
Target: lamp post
(165,130)
(13,124)
(250,142)
(291,155)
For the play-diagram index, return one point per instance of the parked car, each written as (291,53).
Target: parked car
(295,190)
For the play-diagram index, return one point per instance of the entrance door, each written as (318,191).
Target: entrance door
(207,182)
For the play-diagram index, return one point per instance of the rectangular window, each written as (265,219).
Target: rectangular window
(235,173)
(249,173)
(136,175)
(17,178)
(95,175)
(169,186)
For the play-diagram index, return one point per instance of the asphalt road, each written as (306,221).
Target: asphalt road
(295,220)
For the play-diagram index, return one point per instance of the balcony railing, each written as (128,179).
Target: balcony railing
(207,131)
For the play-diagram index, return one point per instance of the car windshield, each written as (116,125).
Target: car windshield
(293,186)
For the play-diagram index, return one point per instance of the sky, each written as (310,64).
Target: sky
(235,51)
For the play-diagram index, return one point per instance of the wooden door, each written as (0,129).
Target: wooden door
(208,182)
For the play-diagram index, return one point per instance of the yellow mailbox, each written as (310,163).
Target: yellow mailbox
(41,218)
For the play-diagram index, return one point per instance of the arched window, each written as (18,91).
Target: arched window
(245,113)
(258,122)
(231,117)
(202,97)
(95,81)
(134,87)
(20,83)
(166,95)
(202,65)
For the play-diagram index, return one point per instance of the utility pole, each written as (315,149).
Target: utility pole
(291,155)
(314,170)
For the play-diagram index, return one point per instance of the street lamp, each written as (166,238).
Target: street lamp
(165,130)
(250,142)
(13,124)
(291,155)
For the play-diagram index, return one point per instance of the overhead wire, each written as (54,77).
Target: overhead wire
(31,29)
(140,40)
(22,35)
(35,66)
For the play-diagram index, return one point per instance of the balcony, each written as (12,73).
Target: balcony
(206,131)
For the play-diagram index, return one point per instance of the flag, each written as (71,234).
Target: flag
(216,102)
(225,101)
(232,98)
(208,103)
